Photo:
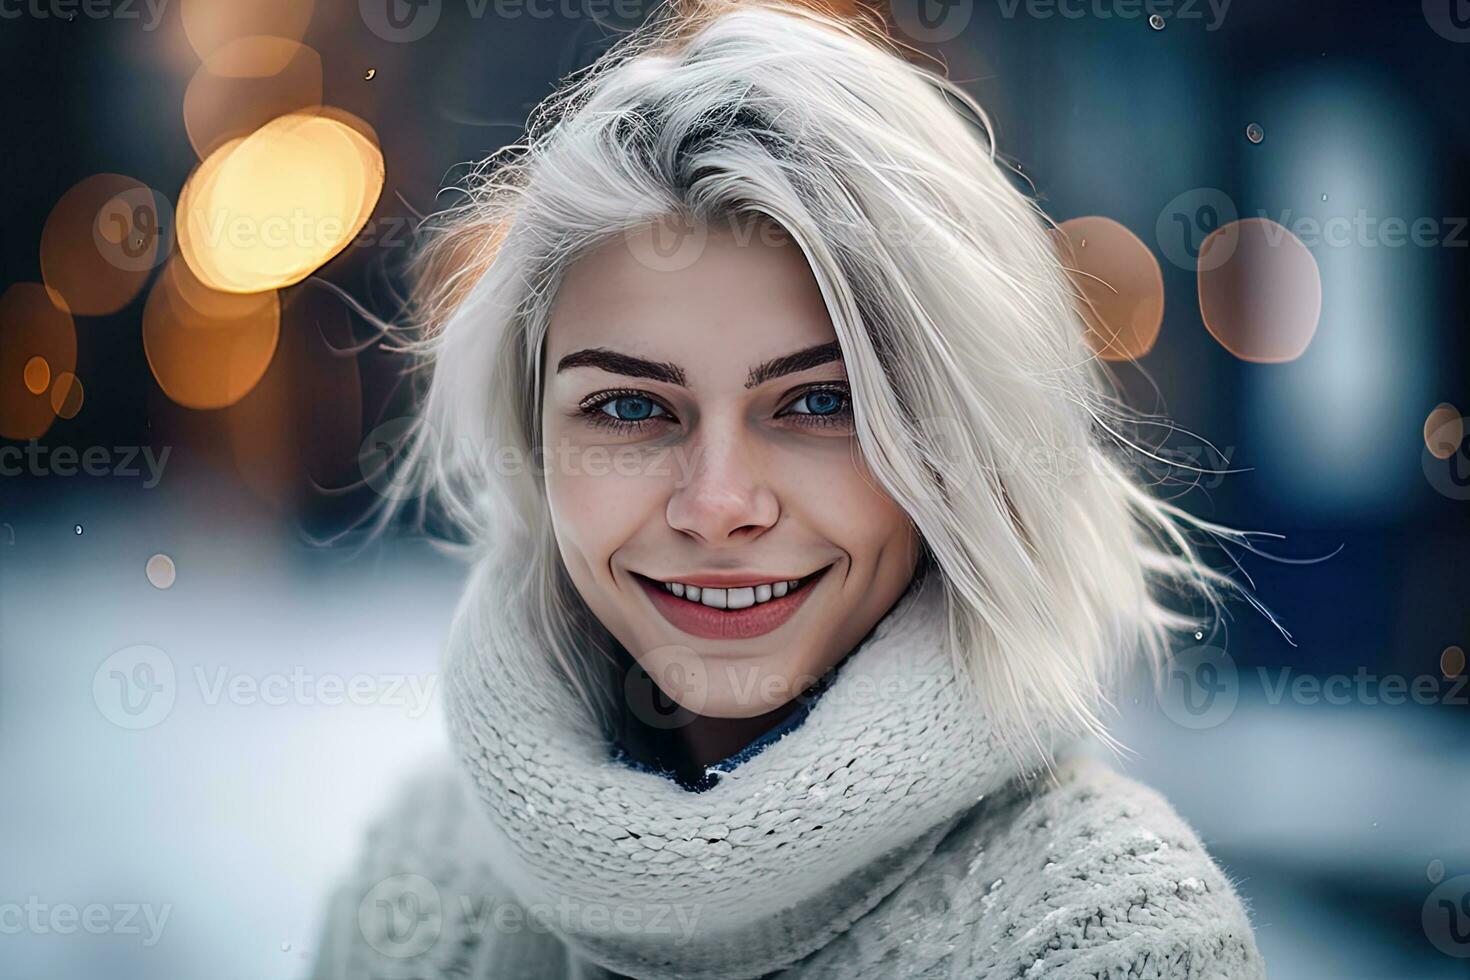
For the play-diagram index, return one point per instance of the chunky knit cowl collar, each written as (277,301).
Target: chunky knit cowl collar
(712,773)
(784,853)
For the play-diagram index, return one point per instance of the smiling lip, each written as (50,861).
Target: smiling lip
(710,623)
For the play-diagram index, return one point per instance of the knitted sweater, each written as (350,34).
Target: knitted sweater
(889,835)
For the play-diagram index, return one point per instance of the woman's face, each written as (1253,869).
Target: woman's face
(701,459)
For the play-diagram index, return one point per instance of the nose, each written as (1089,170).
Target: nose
(724,497)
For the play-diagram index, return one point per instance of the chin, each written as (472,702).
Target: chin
(734,705)
(728,680)
(733,712)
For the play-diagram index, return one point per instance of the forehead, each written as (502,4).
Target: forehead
(744,298)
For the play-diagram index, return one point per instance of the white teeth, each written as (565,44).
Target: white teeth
(740,598)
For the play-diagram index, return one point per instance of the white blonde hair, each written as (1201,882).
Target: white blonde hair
(978,405)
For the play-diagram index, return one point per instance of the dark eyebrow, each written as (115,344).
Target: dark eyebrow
(638,367)
(633,367)
(791,363)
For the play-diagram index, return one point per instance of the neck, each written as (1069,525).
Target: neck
(670,738)
(708,740)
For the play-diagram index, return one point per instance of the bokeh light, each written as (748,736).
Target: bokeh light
(207,350)
(210,24)
(161,571)
(37,375)
(1452,661)
(67,395)
(244,85)
(267,210)
(34,324)
(1119,284)
(101,240)
(1443,430)
(1264,300)
(212,304)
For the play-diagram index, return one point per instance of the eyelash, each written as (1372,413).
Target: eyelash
(590,408)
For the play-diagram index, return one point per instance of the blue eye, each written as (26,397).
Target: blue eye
(631,408)
(822,401)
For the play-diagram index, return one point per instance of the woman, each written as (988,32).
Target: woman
(805,550)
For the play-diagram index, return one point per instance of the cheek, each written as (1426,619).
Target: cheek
(836,493)
(597,505)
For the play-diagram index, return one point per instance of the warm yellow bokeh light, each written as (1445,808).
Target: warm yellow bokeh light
(34,325)
(37,375)
(244,85)
(1443,430)
(267,210)
(211,304)
(210,24)
(1263,301)
(207,359)
(1119,285)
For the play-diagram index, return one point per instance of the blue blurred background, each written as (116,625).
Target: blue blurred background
(201,704)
